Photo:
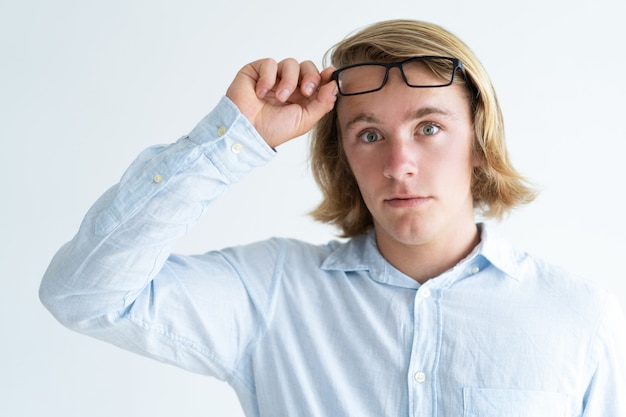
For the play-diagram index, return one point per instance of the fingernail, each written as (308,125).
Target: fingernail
(309,88)
(283,95)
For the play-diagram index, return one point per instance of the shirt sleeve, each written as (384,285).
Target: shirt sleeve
(606,394)
(116,280)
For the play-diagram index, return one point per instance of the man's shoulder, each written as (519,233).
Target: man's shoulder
(557,284)
(279,248)
(541,275)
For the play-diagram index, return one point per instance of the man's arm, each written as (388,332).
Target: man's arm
(606,394)
(116,279)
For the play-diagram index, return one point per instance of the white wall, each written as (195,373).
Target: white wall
(86,85)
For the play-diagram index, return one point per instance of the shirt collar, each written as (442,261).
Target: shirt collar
(501,254)
(361,254)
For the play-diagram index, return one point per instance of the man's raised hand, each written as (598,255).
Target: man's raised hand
(283,100)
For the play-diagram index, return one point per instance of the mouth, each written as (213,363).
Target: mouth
(408,201)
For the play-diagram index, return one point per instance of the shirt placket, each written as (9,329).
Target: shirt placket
(424,353)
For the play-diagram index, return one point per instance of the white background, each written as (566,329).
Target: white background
(86,85)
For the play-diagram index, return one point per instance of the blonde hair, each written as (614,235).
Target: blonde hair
(496,186)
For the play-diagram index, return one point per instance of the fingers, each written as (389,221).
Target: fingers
(283,100)
(288,79)
(285,78)
(266,70)
(310,78)
(328,92)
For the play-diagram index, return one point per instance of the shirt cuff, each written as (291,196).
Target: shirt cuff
(230,141)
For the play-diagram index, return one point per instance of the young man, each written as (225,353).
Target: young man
(421,312)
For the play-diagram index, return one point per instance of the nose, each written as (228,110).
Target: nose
(401,159)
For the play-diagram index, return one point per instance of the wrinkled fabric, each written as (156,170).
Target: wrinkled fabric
(329,330)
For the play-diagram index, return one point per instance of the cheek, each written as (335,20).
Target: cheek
(464,153)
(362,167)
(351,155)
(357,168)
(456,165)
(351,163)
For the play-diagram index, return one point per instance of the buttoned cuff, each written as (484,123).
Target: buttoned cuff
(230,141)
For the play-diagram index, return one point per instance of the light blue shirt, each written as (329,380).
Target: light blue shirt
(330,330)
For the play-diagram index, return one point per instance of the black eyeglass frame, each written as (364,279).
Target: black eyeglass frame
(456,65)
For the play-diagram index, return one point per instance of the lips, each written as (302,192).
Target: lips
(407,201)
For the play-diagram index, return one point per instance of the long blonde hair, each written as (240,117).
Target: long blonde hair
(496,186)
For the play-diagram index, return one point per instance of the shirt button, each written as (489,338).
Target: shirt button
(157,178)
(425,293)
(475,270)
(419,377)
(221,131)
(236,148)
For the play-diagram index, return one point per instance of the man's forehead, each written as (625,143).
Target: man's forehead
(448,102)
(412,114)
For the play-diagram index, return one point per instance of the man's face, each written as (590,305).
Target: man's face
(410,150)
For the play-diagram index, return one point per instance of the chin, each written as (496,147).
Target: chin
(413,234)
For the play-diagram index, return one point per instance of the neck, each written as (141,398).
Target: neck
(427,260)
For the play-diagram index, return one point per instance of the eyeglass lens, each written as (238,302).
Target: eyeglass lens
(431,72)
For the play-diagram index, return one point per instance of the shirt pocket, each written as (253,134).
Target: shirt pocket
(487,402)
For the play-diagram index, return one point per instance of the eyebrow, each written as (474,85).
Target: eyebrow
(425,111)
(411,115)
(361,117)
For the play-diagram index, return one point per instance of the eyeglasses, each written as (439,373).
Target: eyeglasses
(417,72)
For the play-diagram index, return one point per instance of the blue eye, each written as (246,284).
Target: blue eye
(429,129)
(370,136)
